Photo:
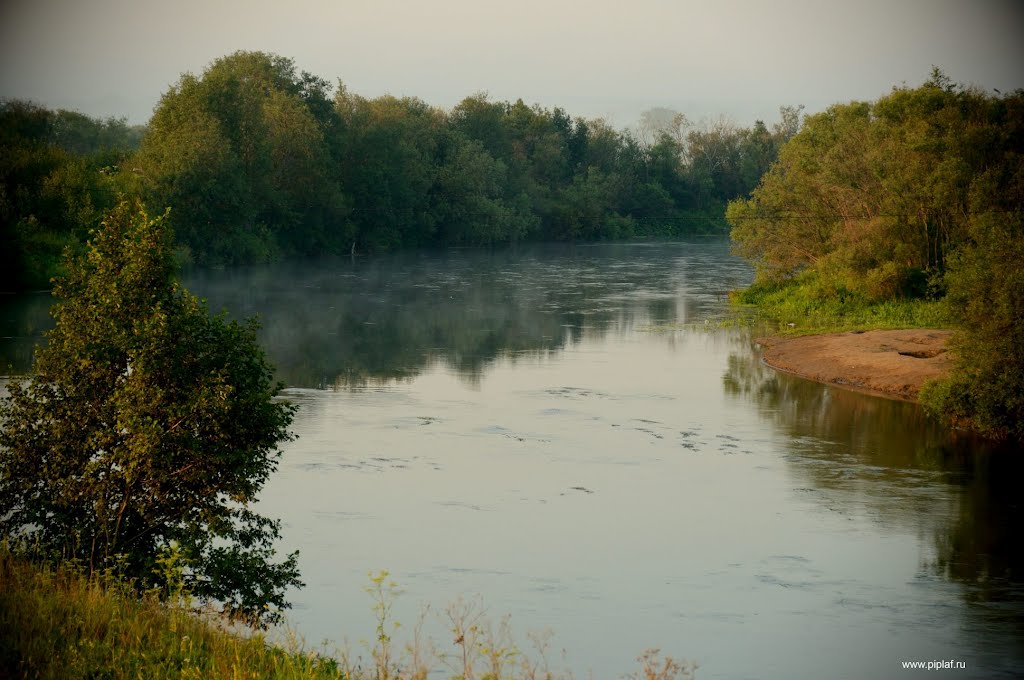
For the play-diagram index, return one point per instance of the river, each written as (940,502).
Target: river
(583,439)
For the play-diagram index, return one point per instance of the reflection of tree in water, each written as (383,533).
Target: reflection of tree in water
(342,323)
(983,549)
(891,457)
(338,323)
(892,434)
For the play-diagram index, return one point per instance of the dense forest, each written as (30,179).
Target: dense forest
(916,196)
(258,161)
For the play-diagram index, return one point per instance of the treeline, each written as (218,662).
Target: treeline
(258,160)
(918,195)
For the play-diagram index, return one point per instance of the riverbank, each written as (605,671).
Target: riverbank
(60,623)
(888,363)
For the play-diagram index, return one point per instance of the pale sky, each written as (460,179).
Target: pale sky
(594,58)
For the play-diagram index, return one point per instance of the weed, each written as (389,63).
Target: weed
(655,667)
(64,623)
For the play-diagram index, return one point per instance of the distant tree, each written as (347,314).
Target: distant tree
(248,154)
(81,135)
(483,120)
(469,204)
(789,123)
(392,149)
(758,150)
(260,161)
(662,121)
(149,426)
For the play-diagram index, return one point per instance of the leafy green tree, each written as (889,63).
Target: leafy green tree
(149,426)
(469,202)
(584,209)
(758,150)
(985,288)
(81,135)
(187,161)
(392,145)
(248,155)
(916,194)
(478,118)
(875,193)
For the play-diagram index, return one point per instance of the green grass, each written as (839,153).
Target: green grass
(60,623)
(808,305)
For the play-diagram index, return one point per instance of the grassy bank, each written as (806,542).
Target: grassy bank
(59,623)
(981,392)
(808,304)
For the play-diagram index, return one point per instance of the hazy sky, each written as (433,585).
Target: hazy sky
(610,58)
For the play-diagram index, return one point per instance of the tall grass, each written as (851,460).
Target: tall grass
(62,624)
(811,304)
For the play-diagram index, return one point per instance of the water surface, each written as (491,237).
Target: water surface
(558,430)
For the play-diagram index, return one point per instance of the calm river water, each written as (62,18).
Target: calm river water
(558,431)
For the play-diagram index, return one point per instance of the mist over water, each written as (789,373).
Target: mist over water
(557,430)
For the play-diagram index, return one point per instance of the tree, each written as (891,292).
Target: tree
(150,426)
(248,155)
(985,288)
(917,194)
(392,146)
(186,161)
(877,194)
(985,390)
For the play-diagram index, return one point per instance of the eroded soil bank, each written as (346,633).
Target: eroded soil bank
(888,363)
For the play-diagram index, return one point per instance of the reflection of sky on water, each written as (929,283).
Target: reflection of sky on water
(513,424)
(618,495)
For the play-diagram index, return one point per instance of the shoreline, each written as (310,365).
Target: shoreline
(888,363)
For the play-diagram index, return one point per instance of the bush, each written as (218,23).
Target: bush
(149,426)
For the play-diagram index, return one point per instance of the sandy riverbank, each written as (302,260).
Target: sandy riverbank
(894,364)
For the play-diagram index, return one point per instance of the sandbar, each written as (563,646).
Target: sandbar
(888,363)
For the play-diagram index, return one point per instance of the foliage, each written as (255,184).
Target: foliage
(242,155)
(878,205)
(655,667)
(58,173)
(62,623)
(878,192)
(986,288)
(985,284)
(149,425)
(811,304)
